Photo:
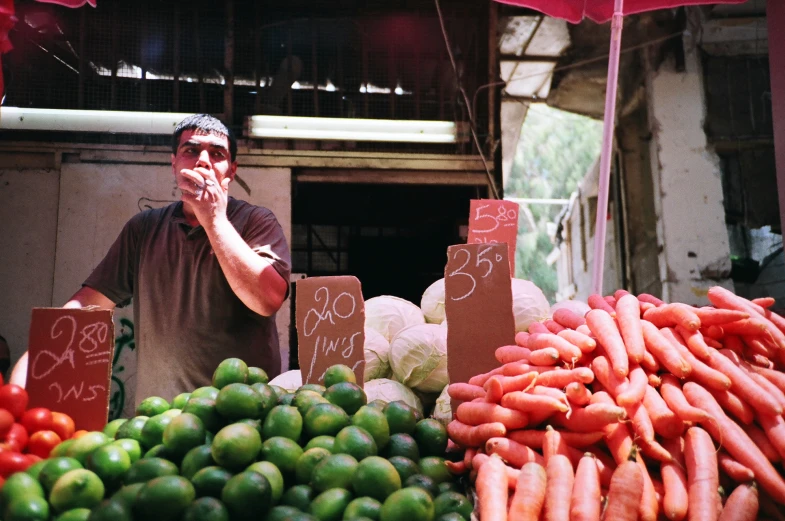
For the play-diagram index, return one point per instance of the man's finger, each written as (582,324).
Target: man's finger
(192,176)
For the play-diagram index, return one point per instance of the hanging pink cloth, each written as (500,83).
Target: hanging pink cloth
(7,21)
(71,3)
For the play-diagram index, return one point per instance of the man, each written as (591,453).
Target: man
(207,274)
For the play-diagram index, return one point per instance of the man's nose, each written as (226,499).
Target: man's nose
(204,159)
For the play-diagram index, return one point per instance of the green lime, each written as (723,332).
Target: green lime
(204,409)
(376,477)
(400,418)
(164,498)
(325,442)
(239,401)
(230,371)
(257,375)
(256,424)
(34,470)
(450,516)
(330,504)
(152,406)
(450,486)
(378,404)
(131,447)
(375,422)
(307,462)
(304,399)
(452,502)
(160,451)
(110,429)
(247,495)
(286,399)
(283,420)
(110,463)
(20,484)
(279,392)
(336,471)
(408,504)
(346,395)
(61,449)
(325,419)
(149,468)
(402,445)
(209,392)
(85,445)
(269,398)
(431,437)
(363,507)
(313,387)
(298,496)
(153,431)
(210,481)
(195,460)
(206,509)
(53,469)
(281,513)
(337,374)
(172,413)
(283,453)
(111,510)
(127,494)
(434,468)
(273,475)
(75,514)
(424,482)
(27,508)
(132,429)
(404,466)
(79,488)
(355,441)
(184,433)
(180,400)
(236,446)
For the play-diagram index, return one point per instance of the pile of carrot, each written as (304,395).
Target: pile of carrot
(640,409)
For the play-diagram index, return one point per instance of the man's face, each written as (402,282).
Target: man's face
(198,150)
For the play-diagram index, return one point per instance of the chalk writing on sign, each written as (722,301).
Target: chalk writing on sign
(504,216)
(475,263)
(494,221)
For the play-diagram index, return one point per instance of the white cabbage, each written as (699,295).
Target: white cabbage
(418,357)
(442,411)
(290,380)
(576,306)
(388,315)
(528,304)
(432,303)
(377,355)
(391,391)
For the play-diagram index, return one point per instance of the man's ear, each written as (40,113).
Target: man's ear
(173,170)
(232,171)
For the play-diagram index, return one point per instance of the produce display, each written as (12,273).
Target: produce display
(638,409)
(245,448)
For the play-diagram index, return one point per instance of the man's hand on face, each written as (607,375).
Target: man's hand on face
(205,195)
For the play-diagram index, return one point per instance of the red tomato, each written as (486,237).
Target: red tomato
(42,442)
(37,419)
(17,437)
(6,420)
(63,425)
(79,433)
(13,399)
(11,462)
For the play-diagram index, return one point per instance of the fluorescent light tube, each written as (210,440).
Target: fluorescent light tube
(60,120)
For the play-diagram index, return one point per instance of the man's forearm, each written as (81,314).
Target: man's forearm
(252,278)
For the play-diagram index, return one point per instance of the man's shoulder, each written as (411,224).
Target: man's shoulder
(243,210)
(153,215)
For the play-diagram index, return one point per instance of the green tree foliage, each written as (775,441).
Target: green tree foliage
(554,152)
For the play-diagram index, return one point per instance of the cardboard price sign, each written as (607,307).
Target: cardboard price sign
(69,365)
(494,221)
(478,304)
(330,314)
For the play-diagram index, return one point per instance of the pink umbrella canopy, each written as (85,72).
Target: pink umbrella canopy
(601,11)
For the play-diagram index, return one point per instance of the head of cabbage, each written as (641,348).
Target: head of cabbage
(391,391)
(432,303)
(377,355)
(388,315)
(528,304)
(442,411)
(418,357)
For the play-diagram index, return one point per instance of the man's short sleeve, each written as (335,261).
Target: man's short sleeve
(114,276)
(264,234)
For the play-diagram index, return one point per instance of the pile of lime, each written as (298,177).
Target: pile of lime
(242,449)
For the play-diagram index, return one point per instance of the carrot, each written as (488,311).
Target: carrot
(586,500)
(527,402)
(474,436)
(520,368)
(539,416)
(695,343)
(465,392)
(578,394)
(769,508)
(598,302)
(535,438)
(537,327)
(643,428)
(755,345)
(774,427)
(583,342)
(764,302)
(553,326)
(654,380)
(521,337)
(491,497)
(760,439)
(456,468)
(553,444)
(666,423)
(716,317)
(605,465)
(514,453)
(759,360)
(560,479)
(548,356)
(619,441)
(468,456)
(560,378)
(744,386)
(645,306)
(507,354)
(673,314)
(530,493)
(701,372)
(715,332)
(703,480)
(670,390)
(766,385)
(568,318)
(775,377)
(651,299)
(649,363)
(628,316)
(734,405)
(612,383)
(480,379)
(734,470)
(480,459)
(736,442)
(664,351)
(749,326)
(567,351)
(584,329)
(590,418)
(610,300)
(517,383)
(722,298)
(556,394)
(675,500)
(742,504)
(625,493)
(634,392)
(620,293)
(480,413)
(712,343)
(604,329)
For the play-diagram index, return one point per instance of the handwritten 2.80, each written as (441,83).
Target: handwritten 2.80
(90,338)
(482,266)
(341,308)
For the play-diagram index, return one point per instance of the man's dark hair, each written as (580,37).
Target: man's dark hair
(204,123)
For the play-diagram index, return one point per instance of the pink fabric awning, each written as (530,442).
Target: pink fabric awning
(71,3)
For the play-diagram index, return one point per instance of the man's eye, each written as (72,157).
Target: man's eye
(219,154)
